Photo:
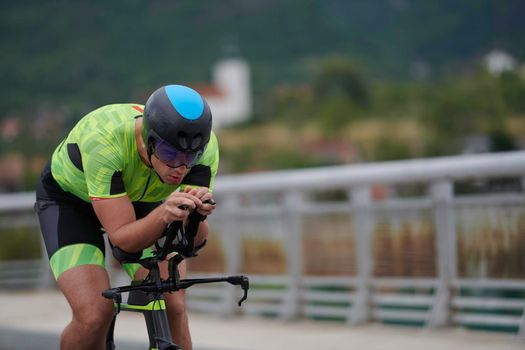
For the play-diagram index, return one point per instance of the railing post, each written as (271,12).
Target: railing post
(232,244)
(362,221)
(293,202)
(521,329)
(442,193)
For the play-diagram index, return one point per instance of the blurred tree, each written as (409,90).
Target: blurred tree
(291,103)
(513,90)
(341,94)
(501,141)
(456,108)
(339,77)
(389,149)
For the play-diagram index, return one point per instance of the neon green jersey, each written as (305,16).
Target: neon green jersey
(99,159)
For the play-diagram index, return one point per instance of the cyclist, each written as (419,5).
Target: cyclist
(124,169)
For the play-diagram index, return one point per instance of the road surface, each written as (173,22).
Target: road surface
(34,320)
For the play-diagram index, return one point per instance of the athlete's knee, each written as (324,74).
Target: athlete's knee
(96,318)
(176,303)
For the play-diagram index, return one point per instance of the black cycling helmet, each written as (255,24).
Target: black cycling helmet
(179,116)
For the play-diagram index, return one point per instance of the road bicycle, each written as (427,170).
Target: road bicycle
(147,296)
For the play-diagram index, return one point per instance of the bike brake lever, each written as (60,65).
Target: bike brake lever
(245,296)
(245,285)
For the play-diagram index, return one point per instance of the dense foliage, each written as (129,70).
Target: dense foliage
(87,53)
(386,79)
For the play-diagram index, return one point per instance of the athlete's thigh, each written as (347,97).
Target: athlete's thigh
(83,286)
(72,235)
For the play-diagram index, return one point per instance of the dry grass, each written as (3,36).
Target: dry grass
(405,248)
(263,256)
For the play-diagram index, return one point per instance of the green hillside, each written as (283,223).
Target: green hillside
(87,53)
(334,81)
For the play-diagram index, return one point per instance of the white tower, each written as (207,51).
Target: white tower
(233,103)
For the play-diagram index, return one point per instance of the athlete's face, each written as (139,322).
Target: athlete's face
(169,175)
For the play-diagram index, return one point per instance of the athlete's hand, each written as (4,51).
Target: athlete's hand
(206,197)
(178,206)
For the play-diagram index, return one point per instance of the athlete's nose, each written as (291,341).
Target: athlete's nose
(181,170)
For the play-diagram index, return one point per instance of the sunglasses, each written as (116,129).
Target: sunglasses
(172,157)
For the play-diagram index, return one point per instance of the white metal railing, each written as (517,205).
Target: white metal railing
(274,206)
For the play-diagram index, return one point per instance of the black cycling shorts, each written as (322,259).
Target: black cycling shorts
(72,233)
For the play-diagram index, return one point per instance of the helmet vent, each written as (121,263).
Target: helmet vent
(183,139)
(196,142)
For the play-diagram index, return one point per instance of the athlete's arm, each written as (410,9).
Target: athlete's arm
(117,216)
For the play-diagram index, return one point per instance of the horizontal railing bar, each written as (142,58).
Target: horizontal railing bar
(17,201)
(332,281)
(484,319)
(488,303)
(21,280)
(18,272)
(252,211)
(277,295)
(401,204)
(12,264)
(280,280)
(379,282)
(327,311)
(489,199)
(315,296)
(324,208)
(489,283)
(405,171)
(400,315)
(402,299)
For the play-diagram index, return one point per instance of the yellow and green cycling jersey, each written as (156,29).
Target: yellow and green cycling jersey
(99,159)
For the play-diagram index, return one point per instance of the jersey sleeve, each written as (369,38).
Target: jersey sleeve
(203,174)
(103,163)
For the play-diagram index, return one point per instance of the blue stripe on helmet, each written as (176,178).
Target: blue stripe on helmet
(186,101)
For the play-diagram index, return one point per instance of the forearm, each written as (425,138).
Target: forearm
(139,234)
(144,232)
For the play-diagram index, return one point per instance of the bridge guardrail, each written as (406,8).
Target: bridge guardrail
(435,284)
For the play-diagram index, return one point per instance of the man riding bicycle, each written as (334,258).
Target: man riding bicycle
(126,170)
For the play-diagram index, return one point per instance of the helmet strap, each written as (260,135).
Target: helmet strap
(150,150)
(151,167)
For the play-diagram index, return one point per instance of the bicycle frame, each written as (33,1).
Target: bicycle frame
(147,296)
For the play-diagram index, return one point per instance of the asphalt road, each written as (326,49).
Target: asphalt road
(30,320)
(24,339)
